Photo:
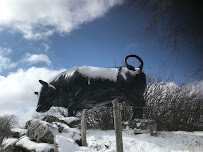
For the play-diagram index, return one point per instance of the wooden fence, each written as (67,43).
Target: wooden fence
(117,126)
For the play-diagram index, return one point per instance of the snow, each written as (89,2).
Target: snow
(9,141)
(97,72)
(19,130)
(124,70)
(72,133)
(33,146)
(66,144)
(104,141)
(69,119)
(178,141)
(51,86)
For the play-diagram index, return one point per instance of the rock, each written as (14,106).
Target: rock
(41,131)
(143,126)
(39,135)
(26,145)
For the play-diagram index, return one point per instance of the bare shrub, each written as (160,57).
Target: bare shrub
(172,106)
(102,117)
(6,123)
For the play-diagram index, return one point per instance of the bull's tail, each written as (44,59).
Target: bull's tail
(130,67)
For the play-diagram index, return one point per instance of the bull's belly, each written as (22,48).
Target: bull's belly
(95,104)
(104,97)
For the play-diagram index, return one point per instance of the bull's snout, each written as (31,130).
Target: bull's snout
(39,108)
(42,109)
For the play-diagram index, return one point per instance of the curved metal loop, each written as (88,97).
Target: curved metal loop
(130,67)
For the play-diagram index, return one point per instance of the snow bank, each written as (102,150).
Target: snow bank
(19,130)
(66,144)
(72,133)
(164,142)
(9,141)
(33,146)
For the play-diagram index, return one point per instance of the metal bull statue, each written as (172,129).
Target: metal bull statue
(85,87)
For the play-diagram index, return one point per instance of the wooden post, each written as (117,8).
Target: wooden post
(84,127)
(117,126)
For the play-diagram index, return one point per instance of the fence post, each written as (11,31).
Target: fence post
(117,126)
(84,127)
(201,114)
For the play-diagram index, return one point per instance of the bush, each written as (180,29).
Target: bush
(172,106)
(102,117)
(6,123)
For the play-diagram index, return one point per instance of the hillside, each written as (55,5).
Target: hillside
(177,141)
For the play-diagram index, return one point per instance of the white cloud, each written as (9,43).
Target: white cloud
(37,19)
(17,90)
(5,61)
(36,58)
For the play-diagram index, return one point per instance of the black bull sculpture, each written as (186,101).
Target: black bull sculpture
(85,87)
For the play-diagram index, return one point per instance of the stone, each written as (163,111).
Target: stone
(41,131)
(26,145)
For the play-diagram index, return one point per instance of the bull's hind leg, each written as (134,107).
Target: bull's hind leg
(137,113)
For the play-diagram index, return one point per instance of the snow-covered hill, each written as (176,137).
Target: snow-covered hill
(51,134)
(178,141)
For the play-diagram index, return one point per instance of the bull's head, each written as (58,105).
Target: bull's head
(46,96)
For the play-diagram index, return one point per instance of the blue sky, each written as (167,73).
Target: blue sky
(98,43)
(46,38)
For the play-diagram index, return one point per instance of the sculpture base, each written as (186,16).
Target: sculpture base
(143,126)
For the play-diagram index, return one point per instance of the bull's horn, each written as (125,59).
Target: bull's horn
(130,67)
(36,93)
(43,83)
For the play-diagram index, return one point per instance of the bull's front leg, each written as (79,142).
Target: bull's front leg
(70,112)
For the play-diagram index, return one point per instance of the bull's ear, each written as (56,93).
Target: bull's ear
(36,93)
(43,83)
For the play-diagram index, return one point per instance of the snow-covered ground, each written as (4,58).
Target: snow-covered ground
(178,141)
